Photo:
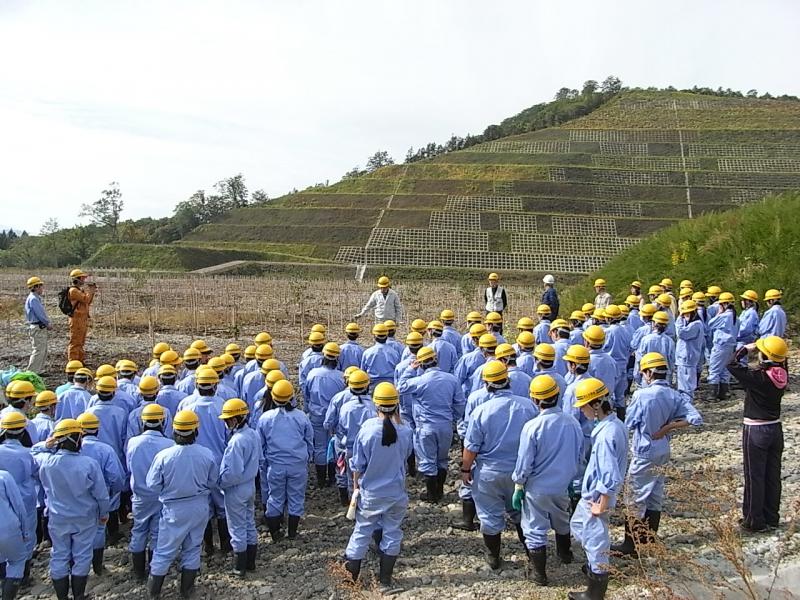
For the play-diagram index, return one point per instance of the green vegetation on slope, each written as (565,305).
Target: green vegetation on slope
(754,247)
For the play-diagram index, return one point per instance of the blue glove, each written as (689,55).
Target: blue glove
(516,500)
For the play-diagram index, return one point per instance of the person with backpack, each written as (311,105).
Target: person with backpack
(38,326)
(74,302)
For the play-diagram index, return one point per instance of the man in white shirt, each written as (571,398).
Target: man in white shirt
(603,298)
(385,301)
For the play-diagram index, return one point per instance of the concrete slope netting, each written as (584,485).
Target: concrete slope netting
(485,203)
(429,238)
(524,147)
(744,150)
(459,221)
(736,179)
(572,226)
(759,165)
(622,149)
(518,222)
(656,163)
(632,177)
(745,196)
(353,255)
(576,245)
(632,136)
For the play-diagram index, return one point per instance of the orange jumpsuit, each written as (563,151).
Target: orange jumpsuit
(79,322)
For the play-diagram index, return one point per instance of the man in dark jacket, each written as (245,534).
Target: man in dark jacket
(550,296)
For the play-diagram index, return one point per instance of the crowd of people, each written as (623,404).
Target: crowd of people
(202,439)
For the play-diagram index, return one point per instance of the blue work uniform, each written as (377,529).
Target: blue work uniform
(253,382)
(474,400)
(652,408)
(350,355)
(77,499)
(576,336)
(438,403)
(748,330)
(550,453)
(113,475)
(467,344)
(379,361)
(187,384)
(603,367)
(353,415)
(72,402)
(331,423)
(120,398)
(520,381)
(618,343)
(396,345)
(212,435)
(183,477)
(689,353)
(634,320)
(446,355)
(113,426)
(493,433)
(382,500)
(16,459)
(773,322)
(561,345)
(561,381)
(145,505)
(310,362)
(526,362)
(30,428)
(604,475)
(15,530)
(237,476)
(655,341)
(44,425)
(466,367)
(170,397)
(451,334)
(287,441)
(541,333)
(135,426)
(322,384)
(723,329)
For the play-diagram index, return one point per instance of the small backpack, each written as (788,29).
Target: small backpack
(64,304)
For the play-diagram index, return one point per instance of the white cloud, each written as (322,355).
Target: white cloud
(169,97)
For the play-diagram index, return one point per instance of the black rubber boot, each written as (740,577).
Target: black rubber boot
(252,553)
(61,586)
(431,493)
(97,561)
(331,474)
(224,536)
(724,388)
(653,520)
(26,575)
(124,507)
(596,587)
(493,550)
(411,465)
(240,564)
(187,582)
(208,539)
(322,476)
(112,528)
(78,587)
(353,567)
(521,538)
(344,497)
(537,563)
(10,588)
(385,576)
(377,537)
(628,546)
(441,480)
(40,526)
(138,562)
(274,526)
(154,583)
(714,392)
(294,523)
(467,516)
(564,548)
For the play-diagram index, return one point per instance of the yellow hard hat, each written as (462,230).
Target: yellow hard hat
(599,282)
(661,318)
(414,338)
(636,283)
(250,352)
(686,283)
(85,373)
(685,293)
(13,420)
(233,349)
(577,315)
(20,389)
(234,407)
(587,309)
(487,340)
(384,282)
(699,297)
(166,370)
(227,359)
(503,351)
(126,365)
(494,371)
(559,324)
(773,347)
(206,376)
(474,317)
(543,309)
(494,318)
(77,274)
(419,325)
(153,412)
(105,371)
(263,338)
(160,348)
(545,352)
(751,295)
(315,338)
(45,398)
(282,391)
(623,308)
(648,310)
(191,354)
(185,420)
(352,328)
(271,364)
(477,330)
(436,325)
(426,354)
(447,315)
(385,396)
(666,282)
(689,306)
(66,427)
(713,291)
(88,421)
(655,290)
(612,311)
(494,277)
(390,325)
(201,346)
(526,340)
(652,360)
(274,377)
(379,330)
(148,385)
(543,387)
(264,351)
(170,357)
(632,300)
(33,282)
(589,389)
(599,314)
(73,366)
(726,297)
(773,294)
(525,324)
(319,327)
(595,335)
(358,380)
(217,363)
(664,300)
(331,350)
(577,354)
(106,384)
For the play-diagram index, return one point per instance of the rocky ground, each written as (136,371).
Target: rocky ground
(440,563)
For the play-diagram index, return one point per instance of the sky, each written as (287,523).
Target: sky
(167,98)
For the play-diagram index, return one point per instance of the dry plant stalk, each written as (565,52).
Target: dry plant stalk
(363,589)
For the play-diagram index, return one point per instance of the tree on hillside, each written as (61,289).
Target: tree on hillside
(49,226)
(353,173)
(611,85)
(566,94)
(105,211)
(380,159)
(589,87)
(233,190)
(259,197)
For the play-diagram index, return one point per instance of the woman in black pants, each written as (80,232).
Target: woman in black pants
(762,436)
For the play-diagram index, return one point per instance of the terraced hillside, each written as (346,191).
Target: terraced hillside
(563,199)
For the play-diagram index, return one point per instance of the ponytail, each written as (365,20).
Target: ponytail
(389,436)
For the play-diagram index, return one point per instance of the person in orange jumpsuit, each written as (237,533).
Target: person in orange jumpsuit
(79,320)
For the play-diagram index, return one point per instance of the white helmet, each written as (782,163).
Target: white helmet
(549,279)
